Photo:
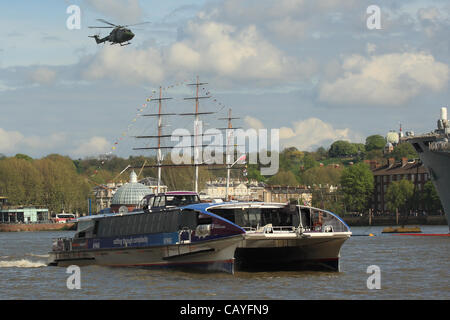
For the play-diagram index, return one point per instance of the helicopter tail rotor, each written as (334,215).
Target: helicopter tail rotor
(97,39)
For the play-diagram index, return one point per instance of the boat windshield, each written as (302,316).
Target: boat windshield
(285,217)
(255,218)
(181,200)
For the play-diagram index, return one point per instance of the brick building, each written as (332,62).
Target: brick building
(413,171)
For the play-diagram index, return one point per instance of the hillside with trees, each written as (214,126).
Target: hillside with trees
(60,183)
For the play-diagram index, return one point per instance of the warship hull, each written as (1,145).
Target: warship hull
(437,162)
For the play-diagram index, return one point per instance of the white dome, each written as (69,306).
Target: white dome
(392,137)
(130,193)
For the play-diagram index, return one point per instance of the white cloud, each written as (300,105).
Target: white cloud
(42,75)
(9,140)
(216,49)
(14,141)
(308,134)
(130,66)
(314,132)
(389,79)
(92,147)
(253,123)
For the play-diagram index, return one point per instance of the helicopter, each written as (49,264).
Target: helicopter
(118,35)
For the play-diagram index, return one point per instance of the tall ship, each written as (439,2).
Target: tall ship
(177,229)
(434,152)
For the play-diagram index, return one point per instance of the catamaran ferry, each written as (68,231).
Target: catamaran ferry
(167,236)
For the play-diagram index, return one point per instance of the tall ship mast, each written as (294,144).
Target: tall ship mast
(229,149)
(197,135)
(434,152)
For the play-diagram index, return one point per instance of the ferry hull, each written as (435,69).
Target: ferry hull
(266,252)
(214,255)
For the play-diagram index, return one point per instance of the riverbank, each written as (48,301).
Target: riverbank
(363,221)
(18,227)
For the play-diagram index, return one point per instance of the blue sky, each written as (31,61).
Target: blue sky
(309,68)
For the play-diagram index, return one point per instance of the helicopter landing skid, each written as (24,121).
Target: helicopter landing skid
(125,44)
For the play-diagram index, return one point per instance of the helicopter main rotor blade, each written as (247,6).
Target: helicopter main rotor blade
(104,21)
(100,27)
(136,24)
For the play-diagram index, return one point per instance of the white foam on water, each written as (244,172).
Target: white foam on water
(38,255)
(22,263)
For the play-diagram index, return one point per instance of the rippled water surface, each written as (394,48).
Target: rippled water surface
(412,267)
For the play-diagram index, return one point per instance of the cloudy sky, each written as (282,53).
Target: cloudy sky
(313,69)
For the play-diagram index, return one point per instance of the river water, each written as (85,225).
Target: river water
(411,267)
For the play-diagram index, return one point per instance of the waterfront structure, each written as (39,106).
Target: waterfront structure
(23,215)
(256,191)
(285,194)
(384,175)
(434,151)
(217,189)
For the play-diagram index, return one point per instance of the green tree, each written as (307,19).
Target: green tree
(399,194)
(357,185)
(430,197)
(341,148)
(283,178)
(404,150)
(20,181)
(375,142)
(322,175)
(23,156)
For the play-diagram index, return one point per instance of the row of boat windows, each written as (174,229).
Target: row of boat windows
(258,217)
(156,222)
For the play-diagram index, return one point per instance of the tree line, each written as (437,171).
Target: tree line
(60,183)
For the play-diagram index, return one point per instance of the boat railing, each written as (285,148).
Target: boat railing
(440,146)
(62,244)
(271,229)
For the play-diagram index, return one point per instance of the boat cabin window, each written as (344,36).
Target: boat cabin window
(417,147)
(259,217)
(160,201)
(204,219)
(181,200)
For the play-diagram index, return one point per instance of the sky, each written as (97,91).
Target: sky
(312,69)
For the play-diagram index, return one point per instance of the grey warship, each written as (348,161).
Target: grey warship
(434,152)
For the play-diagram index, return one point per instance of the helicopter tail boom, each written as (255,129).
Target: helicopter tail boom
(98,40)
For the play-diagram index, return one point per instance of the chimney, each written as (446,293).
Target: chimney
(404,161)
(391,162)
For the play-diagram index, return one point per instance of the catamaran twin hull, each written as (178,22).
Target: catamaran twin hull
(291,251)
(194,242)
(284,237)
